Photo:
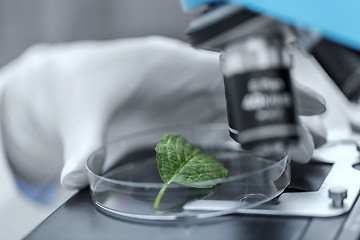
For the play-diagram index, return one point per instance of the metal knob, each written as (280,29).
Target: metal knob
(338,194)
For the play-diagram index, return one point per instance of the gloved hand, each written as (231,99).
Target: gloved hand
(58,101)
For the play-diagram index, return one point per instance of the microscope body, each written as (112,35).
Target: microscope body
(256,62)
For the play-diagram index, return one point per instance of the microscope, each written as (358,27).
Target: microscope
(254,38)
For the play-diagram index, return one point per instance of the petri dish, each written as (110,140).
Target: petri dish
(124,179)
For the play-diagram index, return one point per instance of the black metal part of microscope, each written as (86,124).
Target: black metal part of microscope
(342,64)
(256,67)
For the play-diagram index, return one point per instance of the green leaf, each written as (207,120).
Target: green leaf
(180,162)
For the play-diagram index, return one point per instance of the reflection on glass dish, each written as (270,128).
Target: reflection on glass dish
(124,179)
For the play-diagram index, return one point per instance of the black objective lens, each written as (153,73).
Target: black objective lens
(259,95)
(260,108)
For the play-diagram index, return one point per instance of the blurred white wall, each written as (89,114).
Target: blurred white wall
(25,22)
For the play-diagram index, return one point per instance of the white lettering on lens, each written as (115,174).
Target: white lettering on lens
(257,101)
(269,115)
(265,84)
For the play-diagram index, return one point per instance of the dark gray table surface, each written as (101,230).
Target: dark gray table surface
(78,219)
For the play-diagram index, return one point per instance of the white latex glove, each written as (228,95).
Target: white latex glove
(58,100)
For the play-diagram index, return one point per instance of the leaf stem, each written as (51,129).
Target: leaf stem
(159,196)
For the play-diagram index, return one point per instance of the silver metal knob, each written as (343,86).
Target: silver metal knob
(338,194)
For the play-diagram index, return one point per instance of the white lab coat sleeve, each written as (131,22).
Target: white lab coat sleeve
(19,215)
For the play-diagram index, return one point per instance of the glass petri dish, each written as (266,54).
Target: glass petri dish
(124,179)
